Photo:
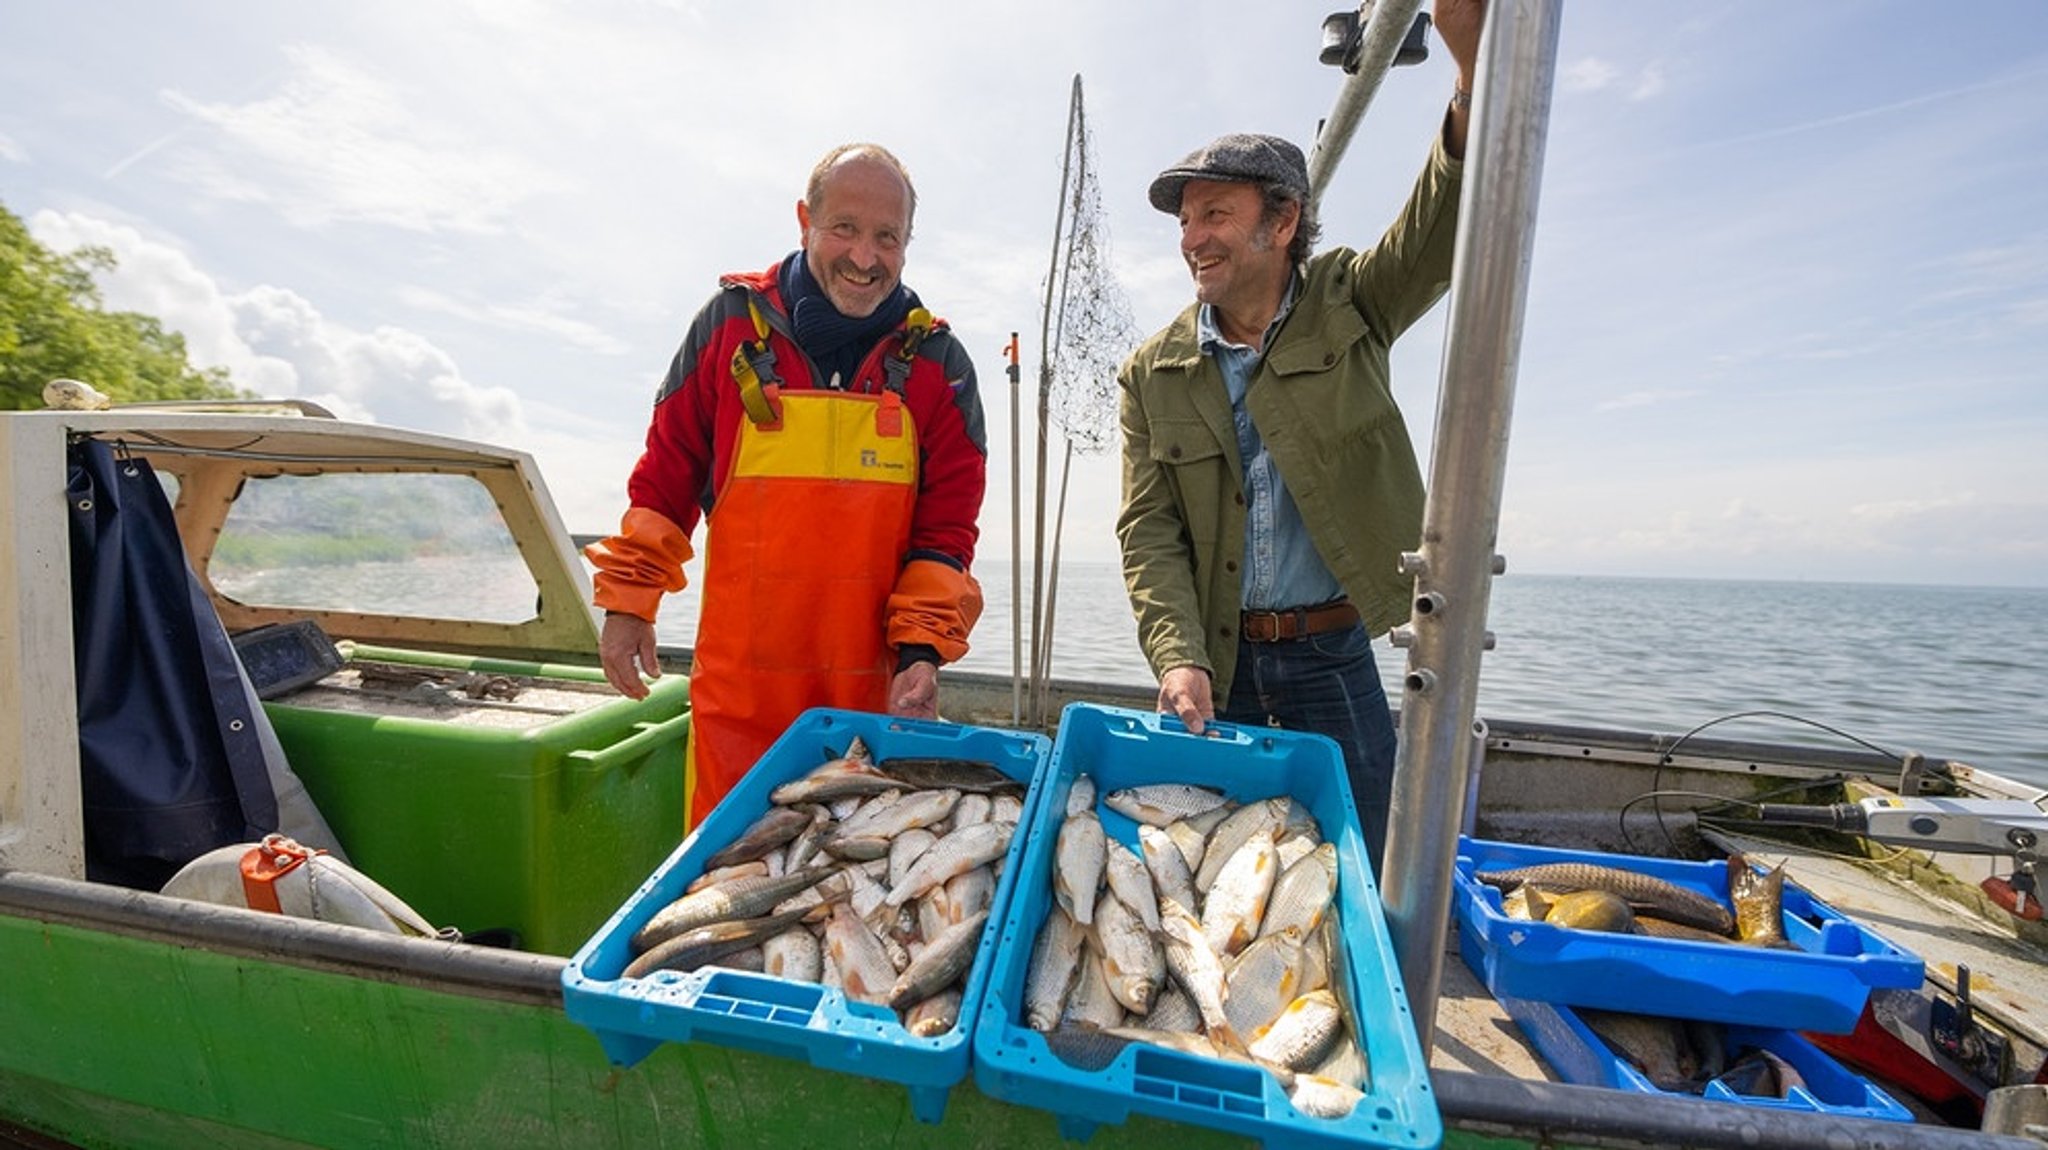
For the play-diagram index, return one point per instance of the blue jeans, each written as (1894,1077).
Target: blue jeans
(1330,685)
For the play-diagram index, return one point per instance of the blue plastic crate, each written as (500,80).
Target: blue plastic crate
(1123,748)
(1580,1056)
(802,1021)
(1820,984)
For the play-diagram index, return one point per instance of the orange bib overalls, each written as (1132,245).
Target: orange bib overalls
(813,522)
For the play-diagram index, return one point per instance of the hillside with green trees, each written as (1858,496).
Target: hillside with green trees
(52,326)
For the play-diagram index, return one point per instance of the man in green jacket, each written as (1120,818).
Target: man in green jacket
(1269,484)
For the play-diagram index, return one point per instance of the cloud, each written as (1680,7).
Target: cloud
(1588,75)
(276,343)
(543,316)
(1646,398)
(1649,83)
(339,144)
(11,151)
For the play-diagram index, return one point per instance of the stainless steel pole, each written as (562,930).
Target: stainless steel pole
(1455,564)
(1385,28)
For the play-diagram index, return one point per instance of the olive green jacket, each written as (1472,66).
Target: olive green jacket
(1322,400)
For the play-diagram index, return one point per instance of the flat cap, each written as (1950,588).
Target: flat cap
(1241,156)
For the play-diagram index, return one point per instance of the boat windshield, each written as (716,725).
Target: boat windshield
(405,544)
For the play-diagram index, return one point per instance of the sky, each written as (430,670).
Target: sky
(1787,306)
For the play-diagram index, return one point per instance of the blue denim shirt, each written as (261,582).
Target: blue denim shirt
(1281,565)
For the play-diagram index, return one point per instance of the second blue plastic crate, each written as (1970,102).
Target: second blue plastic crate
(1122,748)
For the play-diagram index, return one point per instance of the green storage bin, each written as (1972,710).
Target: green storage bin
(537,813)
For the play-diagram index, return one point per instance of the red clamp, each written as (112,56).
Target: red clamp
(272,859)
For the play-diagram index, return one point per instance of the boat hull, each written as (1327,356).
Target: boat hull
(133,1021)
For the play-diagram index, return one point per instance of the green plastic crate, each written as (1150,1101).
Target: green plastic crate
(540,829)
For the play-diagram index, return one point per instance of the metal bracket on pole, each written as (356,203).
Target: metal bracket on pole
(1386,27)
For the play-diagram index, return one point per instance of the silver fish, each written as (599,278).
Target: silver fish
(934,912)
(742,898)
(1131,958)
(1236,903)
(857,848)
(1184,1041)
(865,972)
(1197,969)
(1260,983)
(751,959)
(1317,1096)
(906,849)
(1131,882)
(755,868)
(972,808)
(765,834)
(1055,958)
(869,899)
(1234,831)
(1300,1038)
(1172,1009)
(851,775)
(920,809)
(969,893)
(793,954)
(703,945)
(1079,856)
(1191,843)
(1347,1062)
(957,853)
(1163,804)
(957,774)
(1292,847)
(1303,893)
(1168,867)
(1006,809)
(805,847)
(944,961)
(1080,795)
(1093,1002)
(935,1016)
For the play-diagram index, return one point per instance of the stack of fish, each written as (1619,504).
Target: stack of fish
(1588,896)
(873,877)
(1217,936)
(1684,1055)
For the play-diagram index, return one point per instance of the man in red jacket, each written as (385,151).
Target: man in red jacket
(829,430)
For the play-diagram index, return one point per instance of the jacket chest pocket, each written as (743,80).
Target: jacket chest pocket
(1203,473)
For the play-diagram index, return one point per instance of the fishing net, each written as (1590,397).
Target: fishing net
(1093,327)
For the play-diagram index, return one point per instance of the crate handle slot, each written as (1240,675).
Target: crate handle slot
(634,746)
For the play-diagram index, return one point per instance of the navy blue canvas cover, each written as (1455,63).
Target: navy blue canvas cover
(169,748)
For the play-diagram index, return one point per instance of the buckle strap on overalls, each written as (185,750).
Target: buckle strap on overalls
(916,326)
(753,368)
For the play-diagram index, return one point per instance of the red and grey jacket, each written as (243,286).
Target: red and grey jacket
(697,416)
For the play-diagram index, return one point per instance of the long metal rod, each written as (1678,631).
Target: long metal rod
(1016,540)
(1045,402)
(1455,565)
(1385,28)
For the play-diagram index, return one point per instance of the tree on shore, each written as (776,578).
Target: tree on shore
(52,326)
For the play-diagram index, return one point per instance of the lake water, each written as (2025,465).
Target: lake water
(1953,672)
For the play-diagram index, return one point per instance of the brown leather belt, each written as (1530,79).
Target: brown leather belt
(1296,622)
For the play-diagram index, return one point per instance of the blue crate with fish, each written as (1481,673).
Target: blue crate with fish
(653,973)
(1815,977)
(1769,1068)
(1304,1040)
